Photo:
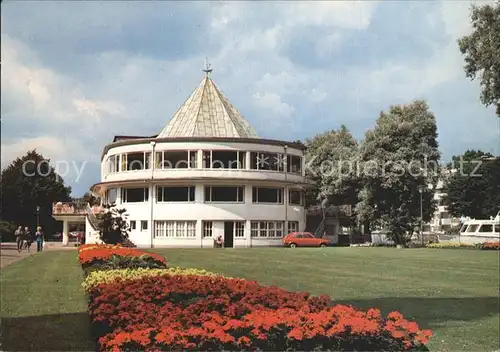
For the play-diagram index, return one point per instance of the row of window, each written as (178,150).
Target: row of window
(485,228)
(236,194)
(187,229)
(211,159)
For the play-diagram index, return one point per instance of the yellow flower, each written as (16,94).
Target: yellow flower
(109,276)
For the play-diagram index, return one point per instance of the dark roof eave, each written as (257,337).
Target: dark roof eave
(138,140)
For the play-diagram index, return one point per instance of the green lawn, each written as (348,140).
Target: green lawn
(453,292)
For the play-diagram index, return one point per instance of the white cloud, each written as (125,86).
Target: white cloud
(273,102)
(115,91)
(345,14)
(55,149)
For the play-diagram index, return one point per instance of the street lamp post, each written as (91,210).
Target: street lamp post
(421,191)
(37,216)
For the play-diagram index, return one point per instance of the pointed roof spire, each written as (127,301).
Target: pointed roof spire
(207,68)
(208,113)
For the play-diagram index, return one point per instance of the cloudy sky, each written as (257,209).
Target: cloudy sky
(74,74)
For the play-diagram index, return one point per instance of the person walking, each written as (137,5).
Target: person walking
(39,239)
(30,238)
(19,234)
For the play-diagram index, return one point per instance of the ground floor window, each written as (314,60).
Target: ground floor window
(208,228)
(175,229)
(293,226)
(267,229)
(239,229)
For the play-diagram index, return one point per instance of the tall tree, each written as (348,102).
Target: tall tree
(474,188)
(28,182)
(331,164)
(482,52)
(399,157)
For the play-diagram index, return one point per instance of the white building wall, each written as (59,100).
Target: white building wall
(200,211)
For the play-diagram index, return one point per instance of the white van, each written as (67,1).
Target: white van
(479,231)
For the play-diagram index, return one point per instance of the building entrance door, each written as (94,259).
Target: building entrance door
(228,234)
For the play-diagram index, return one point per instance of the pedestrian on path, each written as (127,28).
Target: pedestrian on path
(39,239)
(19,234)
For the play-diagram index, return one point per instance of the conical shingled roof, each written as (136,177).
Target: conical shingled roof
(208,113)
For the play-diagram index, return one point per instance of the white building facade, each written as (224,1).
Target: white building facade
(206,174)
(442,220)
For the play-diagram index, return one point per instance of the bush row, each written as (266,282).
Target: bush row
(189,309)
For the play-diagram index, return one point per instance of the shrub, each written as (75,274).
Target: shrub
(192,312)
(112,225)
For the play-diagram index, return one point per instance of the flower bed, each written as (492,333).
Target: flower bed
(491,246)
(190,309)
(113,257)
(110,276)
(456,245)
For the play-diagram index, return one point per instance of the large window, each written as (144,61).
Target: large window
(175,229)
(175,194)
(295,197)
(239,229)
(176,159)
(486,228)
(208,228)
(223,159)
(224,194)
(136,161)
(266,229)
(472,228)
(267,161)
(111,196)
(294,164)
(135,195)
(113,163)
(293,226)
(267,195)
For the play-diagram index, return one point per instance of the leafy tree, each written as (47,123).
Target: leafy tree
(29,182)
(482,52)
(7,230)
(399,156)
(113,227)
(331,160)
(474,188)
(88,197)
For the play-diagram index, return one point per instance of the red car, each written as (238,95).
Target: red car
(304,239)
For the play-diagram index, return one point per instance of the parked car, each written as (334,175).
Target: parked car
(304,239)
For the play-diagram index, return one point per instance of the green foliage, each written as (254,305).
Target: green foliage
(331,159)
(88,198)
(398,156)
(123,262)
(474,189)
(7,230)
(29,182)
(482,52)
(113,227)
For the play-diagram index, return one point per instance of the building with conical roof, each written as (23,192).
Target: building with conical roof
(205,176)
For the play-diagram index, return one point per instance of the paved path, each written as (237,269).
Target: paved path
(9,254)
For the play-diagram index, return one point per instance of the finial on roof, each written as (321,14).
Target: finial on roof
(207,68)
